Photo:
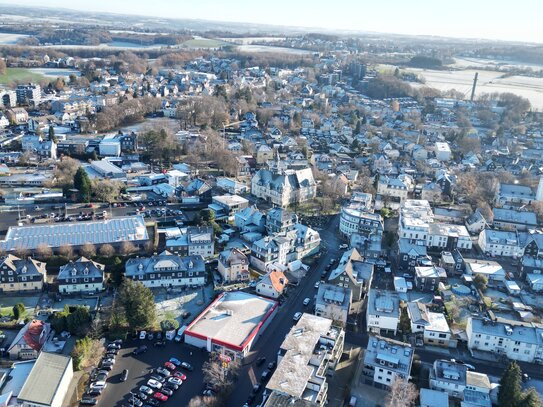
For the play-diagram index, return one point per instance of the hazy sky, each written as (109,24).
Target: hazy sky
(519,20)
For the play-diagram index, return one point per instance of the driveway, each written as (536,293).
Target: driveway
(116,392)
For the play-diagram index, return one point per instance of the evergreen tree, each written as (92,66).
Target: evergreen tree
(531,398)
(358,127)
(18,311)
(510,394)
(83,184)
(52,136)
(139,304)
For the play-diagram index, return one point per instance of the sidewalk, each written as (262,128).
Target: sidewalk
(70,393)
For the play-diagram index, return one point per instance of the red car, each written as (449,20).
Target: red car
(160,397)
(169,366)
(180,376)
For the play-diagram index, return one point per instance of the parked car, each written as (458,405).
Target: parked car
(186,366)
(175,361)
(180,375)
(169,366)
(171,386)
(163,371)
(154,384)
(88,401)
(158,378)
(343,246)
(272,365)
(139,350)
(306,301)
(134,401)
(146,390)
(160,396)
(143,334)
(166,391)
(260,361)
(317,284)
(124,375)
(175,380)
(297,316)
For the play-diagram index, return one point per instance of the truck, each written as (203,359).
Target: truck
(180,333)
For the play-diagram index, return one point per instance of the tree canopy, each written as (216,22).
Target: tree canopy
(139,304)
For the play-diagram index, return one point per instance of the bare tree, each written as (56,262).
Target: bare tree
(402,394)
(66,251)
(127,248)
(107,250)
(21,252)
(88,250)
(43,251)
(106,190)
(221,377)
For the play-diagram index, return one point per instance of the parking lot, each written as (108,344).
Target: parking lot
(139,369)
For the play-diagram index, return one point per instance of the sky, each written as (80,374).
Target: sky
(518,20)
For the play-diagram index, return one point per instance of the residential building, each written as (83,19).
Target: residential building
(284,187)
(226,206)
(355,220)
(231,323)
(452,262)
(167,270)
(449,377)
(307,356)
(279,220)
(269,250)
(492,270)
(515,340)
(48,382)
(233,265)
(30,340)
(410,255)
(28,94)
(414,222)
(354,273)
(510,219)
(437,331)
(17,115)
(193,241)
(514,195)
(392,187)
(333,302)
(382,311)
(443,151)
(476,222)
(535,281)
(448,236)
(272,285)
(500,243)
(250,219)
(21,275)
(385,360)
(81,276)
(427,278)
(455,380)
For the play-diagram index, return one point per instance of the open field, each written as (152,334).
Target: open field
(204,43)
(14,75)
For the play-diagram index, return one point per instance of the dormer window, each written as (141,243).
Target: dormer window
(74,271)
(86,271)
(24,269)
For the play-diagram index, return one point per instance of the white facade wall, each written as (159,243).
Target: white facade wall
(77,288)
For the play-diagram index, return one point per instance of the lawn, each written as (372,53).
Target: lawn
(204,43)
(15,75)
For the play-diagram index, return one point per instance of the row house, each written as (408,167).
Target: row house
(21,275)
(167,270)
(82,275)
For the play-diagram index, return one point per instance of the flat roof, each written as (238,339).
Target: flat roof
(233,319)
(114,230)
(42,383)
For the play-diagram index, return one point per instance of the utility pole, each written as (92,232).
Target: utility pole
(474,86)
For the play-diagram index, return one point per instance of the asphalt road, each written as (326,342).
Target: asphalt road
(268,345)
(116,392)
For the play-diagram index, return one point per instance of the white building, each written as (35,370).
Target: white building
(385,360)
(393,187)
(443,151)
(383,311)
(272,285)
(448,236)
(500,243)
(307,357)
(492,270)
(512,339)
(414,222)
(48,382)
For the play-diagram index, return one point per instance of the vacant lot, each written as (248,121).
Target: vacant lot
(204,43)
(16,75)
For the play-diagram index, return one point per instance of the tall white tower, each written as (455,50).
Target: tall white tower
(539,193)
